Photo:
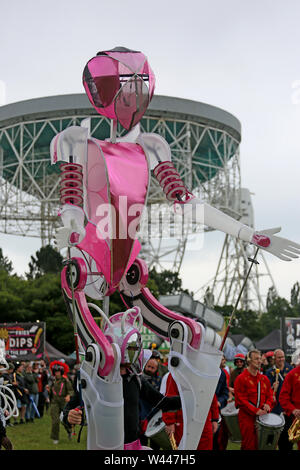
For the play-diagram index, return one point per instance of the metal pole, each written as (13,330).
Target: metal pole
(253,261)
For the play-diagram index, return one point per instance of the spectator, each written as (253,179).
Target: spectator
(222,394)
(240,364)
(162,369)
(60,393)
(31,383)
(226,370)
(276,374)
(20,390)
(151,373)
(267,361)
(43,381)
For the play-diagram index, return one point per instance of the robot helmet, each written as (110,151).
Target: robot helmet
(124,329)
(119,84)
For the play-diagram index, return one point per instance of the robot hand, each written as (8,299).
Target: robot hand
(73,231)
(69,236)
(278,246)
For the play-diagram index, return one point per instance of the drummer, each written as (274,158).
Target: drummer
(289,397)
(253,398)
(151,375)
(276,374)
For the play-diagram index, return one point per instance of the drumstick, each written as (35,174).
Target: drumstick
(253,261)
(276,381)
(173,441)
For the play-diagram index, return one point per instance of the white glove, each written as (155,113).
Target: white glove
(281,247)
(73,231)
(69,236)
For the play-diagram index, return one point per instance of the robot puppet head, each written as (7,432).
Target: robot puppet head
(119,84)
(125,330)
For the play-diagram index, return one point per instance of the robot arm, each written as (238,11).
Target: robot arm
(159,156)
(70,147)
(203,213)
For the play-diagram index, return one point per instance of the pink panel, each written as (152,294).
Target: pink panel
(118,175)
(94,245)
(128,177)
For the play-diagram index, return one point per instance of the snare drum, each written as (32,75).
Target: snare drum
(157,433)
(230,415)
(269,428)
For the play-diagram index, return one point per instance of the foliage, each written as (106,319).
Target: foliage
(244,322)
(5,264)
(256,325)
(167,282)
(46,260)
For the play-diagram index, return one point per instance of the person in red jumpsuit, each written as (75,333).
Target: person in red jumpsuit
(253,397)
(174,420)
(289,397)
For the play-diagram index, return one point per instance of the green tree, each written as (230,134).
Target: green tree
(295,299)
(166,282)
(277,308)
(244,322)
(46,260)
(5,263)
(43,299)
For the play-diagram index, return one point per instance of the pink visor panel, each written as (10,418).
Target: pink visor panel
(120,85)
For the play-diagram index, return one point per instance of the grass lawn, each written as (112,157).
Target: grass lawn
(36,436)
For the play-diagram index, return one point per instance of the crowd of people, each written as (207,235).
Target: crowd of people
(38,389)
(257,384)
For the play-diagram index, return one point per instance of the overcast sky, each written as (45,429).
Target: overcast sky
(239,55)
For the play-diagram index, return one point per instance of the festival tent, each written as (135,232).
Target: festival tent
(270,342)
(53,354)
(242,340)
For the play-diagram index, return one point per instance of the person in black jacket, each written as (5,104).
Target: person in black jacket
(135,387)
(222,393)
(20,391)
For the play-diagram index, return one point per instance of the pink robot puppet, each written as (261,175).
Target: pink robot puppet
(104,187)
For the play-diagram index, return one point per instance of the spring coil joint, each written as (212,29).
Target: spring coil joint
(71,184)
(171,183)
